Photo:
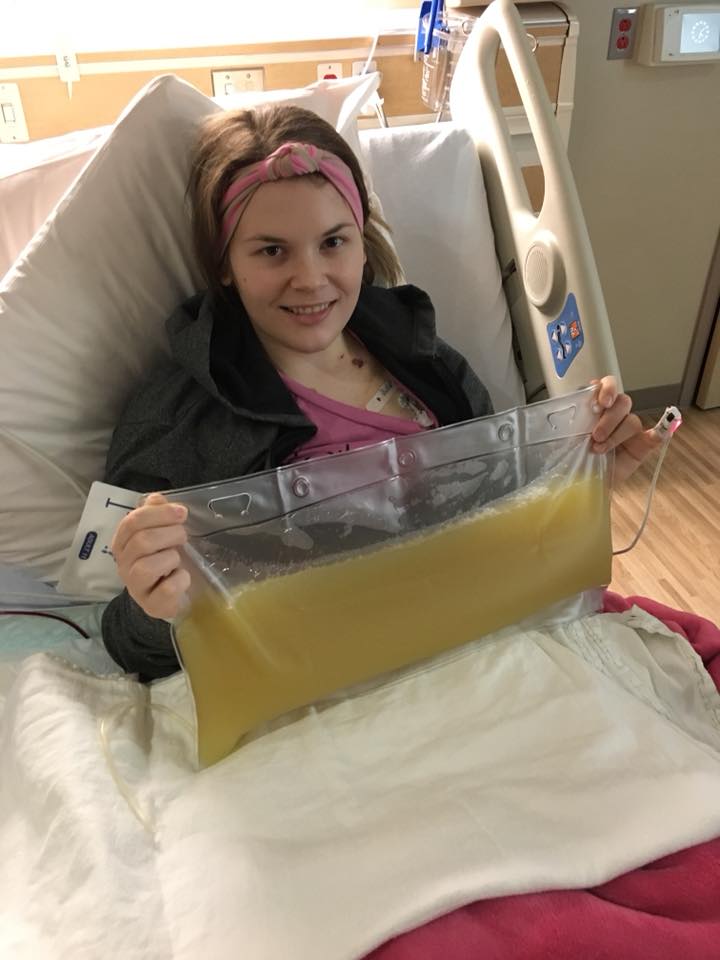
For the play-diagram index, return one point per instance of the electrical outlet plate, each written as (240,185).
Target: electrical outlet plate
(225,82)
(358,67)
(329,71)
(13,128)
(622,33)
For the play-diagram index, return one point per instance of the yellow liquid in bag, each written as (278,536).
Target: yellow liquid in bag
(290,640)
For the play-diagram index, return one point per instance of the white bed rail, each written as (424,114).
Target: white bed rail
(554,294)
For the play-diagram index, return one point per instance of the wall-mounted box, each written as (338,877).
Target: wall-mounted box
(226,82)
(330,71)
(671,33)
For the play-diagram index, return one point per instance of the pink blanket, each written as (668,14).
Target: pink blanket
(667,910)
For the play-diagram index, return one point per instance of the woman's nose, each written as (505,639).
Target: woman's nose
(308,272)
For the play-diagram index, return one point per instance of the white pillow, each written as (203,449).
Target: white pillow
(446,244)
(33,177)
(338,101)
(82,312)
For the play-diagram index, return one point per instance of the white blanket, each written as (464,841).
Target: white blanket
(527,761)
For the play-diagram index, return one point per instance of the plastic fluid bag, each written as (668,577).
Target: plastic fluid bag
(321,575)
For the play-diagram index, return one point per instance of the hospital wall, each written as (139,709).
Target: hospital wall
(644,149)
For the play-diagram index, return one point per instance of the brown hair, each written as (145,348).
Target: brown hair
(233,139)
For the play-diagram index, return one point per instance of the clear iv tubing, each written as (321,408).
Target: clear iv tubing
(108,723)
(105,728)
(664,428)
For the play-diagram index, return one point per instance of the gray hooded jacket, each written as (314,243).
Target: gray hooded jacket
(217,409)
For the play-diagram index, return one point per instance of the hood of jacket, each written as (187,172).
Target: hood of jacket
(212,339)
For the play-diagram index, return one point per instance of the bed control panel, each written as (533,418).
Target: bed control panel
(565,336)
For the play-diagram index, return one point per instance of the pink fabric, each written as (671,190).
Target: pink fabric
(289,160)
(667,910)
(343,427)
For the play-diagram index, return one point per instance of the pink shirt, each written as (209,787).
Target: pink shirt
(341,426)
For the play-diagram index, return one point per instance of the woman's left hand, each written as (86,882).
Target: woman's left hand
(619,430)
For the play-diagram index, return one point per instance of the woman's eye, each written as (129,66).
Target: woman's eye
(334,242)
(273,250)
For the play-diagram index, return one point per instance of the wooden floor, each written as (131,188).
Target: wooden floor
(677,559)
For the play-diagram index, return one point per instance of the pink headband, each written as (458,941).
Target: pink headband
(289,160)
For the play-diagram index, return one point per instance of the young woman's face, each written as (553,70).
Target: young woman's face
(296,259)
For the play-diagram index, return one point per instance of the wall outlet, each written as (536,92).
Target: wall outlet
(359,66)
(329,71)
(225,82)
(13,128)
(622,33)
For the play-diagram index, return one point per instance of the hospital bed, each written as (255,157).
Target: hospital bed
(550,792)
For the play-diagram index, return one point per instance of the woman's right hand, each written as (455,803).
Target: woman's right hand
(146,547)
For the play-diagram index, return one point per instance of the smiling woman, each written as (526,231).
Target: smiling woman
(239,150)
(296,259)
(292,352)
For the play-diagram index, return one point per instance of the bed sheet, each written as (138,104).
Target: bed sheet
(45,629)
(291,850)
(668,909)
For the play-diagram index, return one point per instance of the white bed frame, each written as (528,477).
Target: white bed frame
(545,258)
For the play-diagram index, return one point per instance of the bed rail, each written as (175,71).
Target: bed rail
(551,279)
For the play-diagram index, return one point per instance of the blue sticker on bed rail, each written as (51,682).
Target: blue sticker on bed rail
(566,336)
